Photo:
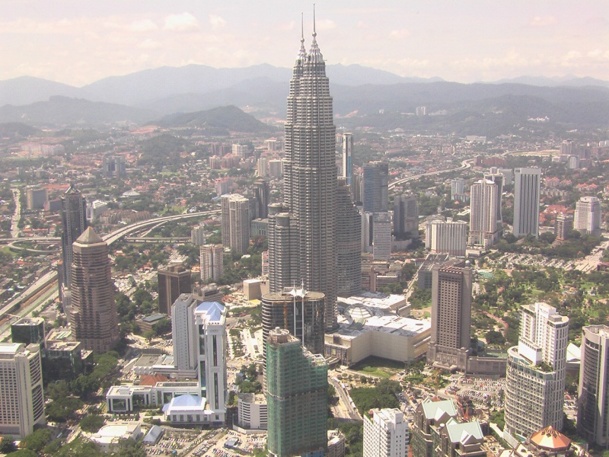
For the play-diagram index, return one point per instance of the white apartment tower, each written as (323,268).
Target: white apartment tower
(527,186)
(21,394)
(184,333)
(236,222)
(587,218)
(385,433)
(210,325)
(446,237)
(212,262)
(535,374)
(483,229)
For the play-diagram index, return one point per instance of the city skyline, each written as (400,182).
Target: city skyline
(467,42)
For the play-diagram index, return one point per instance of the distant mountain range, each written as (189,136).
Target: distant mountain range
(151,95)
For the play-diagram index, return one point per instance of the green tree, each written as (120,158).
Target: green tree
(24,453)
(37,440)
(7,445)
(92,423)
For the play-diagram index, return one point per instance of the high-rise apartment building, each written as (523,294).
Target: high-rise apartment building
(348,252)
(184,332)
(299,311)
(483,228)
(457,189)
(212,262)
(92,315)
(587,218)
(451,307)
(405,217)
(261,198)
(496,176)
(527,187)
(381,236)
(535,374)
(236,222)
(376,187)
(446,237)
(35,197)
(309,187)
(172,282)
(210,325)
(593,392)
(21,393)
(197,235)
(564,226)
(385,433)
(347,158)
(74,223)
(296,394)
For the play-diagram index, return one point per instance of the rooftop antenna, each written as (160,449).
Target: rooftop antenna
(314,30)
(302,27)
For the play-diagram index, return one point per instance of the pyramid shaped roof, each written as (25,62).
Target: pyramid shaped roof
(89,237)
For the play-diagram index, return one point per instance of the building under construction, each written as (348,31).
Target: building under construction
(296,395)
(299,311)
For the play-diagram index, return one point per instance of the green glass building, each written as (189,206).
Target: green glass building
(296,395)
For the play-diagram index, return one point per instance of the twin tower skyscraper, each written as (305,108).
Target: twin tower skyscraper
(302,229)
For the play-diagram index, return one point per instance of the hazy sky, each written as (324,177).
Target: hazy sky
(80,41)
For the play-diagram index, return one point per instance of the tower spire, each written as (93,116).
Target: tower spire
(314,30)
(314,53)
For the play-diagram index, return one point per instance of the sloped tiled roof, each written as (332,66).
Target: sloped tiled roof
(213,310)
(439,409)
(464,432)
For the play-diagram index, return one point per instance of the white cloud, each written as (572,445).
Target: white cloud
(542,21)
(183,22)
(325,24)
(216,22)
(149,44)
(401,33)
(144,25)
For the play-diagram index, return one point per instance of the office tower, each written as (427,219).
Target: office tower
(236,222)
(385,433)
(587,218)
(197,235)
(593,392)
(212,262)
(367,221)
(446,237)
(296,395)
(535,373)
(457,189)
(564,226)
(483,228)
(309,186)
(28,330)
(299,311)
(210,322)
(36,197)
(184,332)
(376,187)
(261,198)
(405,217)
(567,147)
(22,405)
(74,223)
(172,282)
(347,162)
(451,308)
(262,166)
(92,316)
(497,177)
(348,251)
(381,236)
(527,182)
(356,188)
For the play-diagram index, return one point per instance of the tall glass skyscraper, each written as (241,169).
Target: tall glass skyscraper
(309,185)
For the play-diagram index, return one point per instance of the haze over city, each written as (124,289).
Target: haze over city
(76,42)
